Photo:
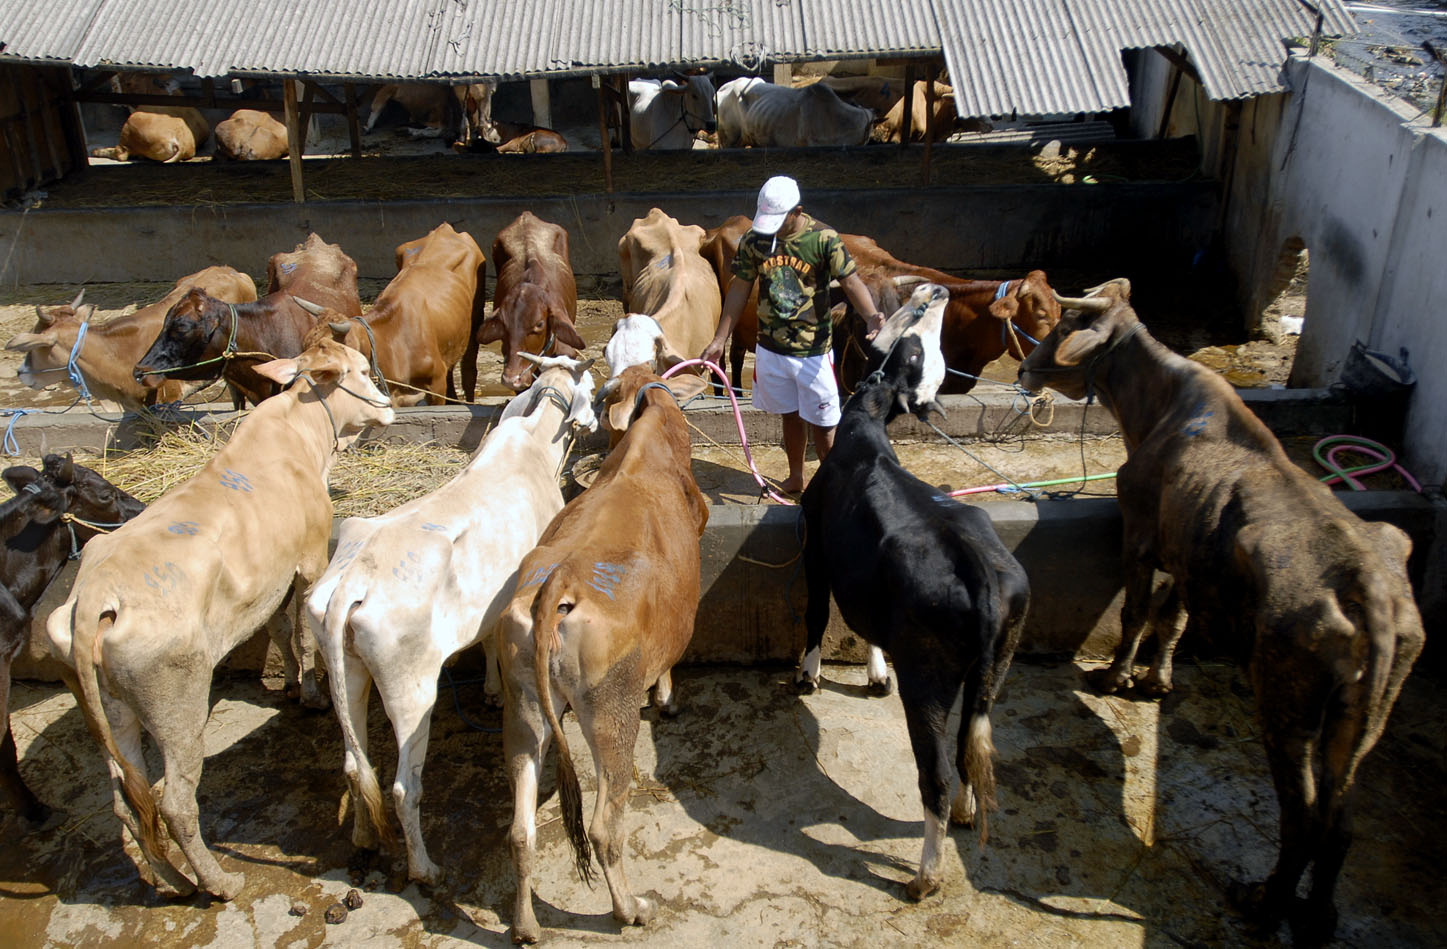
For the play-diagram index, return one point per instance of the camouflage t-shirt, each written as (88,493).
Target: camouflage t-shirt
(794,277)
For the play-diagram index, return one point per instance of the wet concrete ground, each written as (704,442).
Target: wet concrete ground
(758,818)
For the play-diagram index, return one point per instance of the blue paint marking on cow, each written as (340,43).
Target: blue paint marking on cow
(664,262)
(411,251)
(536,576)
(190,528)
(236,481)
(1197,424)
(163,578)
(346,554)
(606,576)
(429,526)
(287,267)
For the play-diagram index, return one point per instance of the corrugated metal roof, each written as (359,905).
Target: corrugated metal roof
(1027,56)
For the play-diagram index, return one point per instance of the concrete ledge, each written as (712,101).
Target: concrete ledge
(994,410)
(752,605)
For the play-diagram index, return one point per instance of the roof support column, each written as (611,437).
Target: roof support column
(542,103)
(929,118)
(603,106)
(294,141)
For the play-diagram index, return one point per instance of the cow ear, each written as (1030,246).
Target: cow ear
(565,331)
(490,331)
(1005,308)
(665,357)
(685,386)
(27,342)
(1077,346)
(620,415)
(280,371)
(18,476)
(85,313)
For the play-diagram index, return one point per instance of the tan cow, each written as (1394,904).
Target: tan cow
(425,321)
(604,608)
(666,277)
(891,127)
(251,135)
(720,245)
(1264,559)
(154,135)
(159,602)
(458,549)
(109,350)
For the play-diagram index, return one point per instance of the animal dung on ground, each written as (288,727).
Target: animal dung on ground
(353,900)
(298,908)
(336,913)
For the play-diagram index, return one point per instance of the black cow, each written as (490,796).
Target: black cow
(917,574)
(38,538)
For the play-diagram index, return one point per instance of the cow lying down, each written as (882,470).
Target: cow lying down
(407,590)
(1264,559)
(917,574)
(159,602)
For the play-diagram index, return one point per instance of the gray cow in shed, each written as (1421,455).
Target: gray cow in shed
(1264,559)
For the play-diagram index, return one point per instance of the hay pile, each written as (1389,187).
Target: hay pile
(370,479)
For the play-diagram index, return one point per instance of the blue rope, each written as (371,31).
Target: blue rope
(457,703)
(71,369)
(12,447)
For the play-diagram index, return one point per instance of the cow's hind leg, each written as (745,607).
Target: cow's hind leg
(1134,620)
(156,869)
(664,698)
(525,737)
(877,673)
(409,705)
(1170,624)
(816,613)
(26,804)
(356,679)
(612,734)
(927,700)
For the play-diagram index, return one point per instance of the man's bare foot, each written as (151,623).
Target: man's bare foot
(792,486)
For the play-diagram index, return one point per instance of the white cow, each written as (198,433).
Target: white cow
(406,590)
(754,112)
(667,113)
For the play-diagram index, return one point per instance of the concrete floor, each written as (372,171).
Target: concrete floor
(758,819)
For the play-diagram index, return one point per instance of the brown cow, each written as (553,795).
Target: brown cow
(535,300)
(719,247)
(666,277)
(985,319)
(604,607)
(203,337)
(425,321)
(154,135)
(251,135)
(434,109)
(111,349)
(1265,559)
(159,602)
(891,127)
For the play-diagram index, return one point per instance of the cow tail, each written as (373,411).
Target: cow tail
(334,623)
(976,745)
(88,627)
(175,154)
(546,617)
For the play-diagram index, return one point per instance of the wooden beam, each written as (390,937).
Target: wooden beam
(354,125)
(603,133)
(293,140)
(908,117)
(306,108)
(1180,62)
(199,102)
(929,118)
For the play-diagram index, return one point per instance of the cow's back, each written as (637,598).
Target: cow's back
(670,280)
(443,247)
(318,272)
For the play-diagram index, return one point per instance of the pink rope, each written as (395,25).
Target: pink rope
(738,420)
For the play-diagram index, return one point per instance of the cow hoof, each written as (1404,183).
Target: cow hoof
(492,699)
(881,688)
(173,894)
(229,888)
(319,701)
(1107,681)
(1152,688)
(526,934)
(428,874)
(920,887)
(1312,925)
(806,685)
(670,710)
(642,913)
(1250,900)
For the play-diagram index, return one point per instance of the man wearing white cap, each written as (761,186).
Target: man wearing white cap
(794,257)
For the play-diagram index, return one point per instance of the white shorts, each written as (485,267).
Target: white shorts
(803,384)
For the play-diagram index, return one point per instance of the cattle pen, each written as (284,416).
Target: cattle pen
(1265,229)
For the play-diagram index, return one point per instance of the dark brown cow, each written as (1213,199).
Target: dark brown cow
(985,319)
(424,321)
(719,247)
(203,337)
(535,301)
(1264,559)
(604,608)
(110,349)
(53,513)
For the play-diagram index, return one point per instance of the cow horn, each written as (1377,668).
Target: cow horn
(908,280)
(44,317)
(341,329)
(78,297)
(1089,304)
(309,306)
(533,358)
(68,471)
(609,388)
(933,405)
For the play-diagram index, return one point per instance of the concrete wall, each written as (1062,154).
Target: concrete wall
(956,227)
(1357,178)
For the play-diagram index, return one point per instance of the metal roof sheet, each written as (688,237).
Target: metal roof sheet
(1028,56)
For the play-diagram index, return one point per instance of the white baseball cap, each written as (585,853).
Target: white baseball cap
(778,196)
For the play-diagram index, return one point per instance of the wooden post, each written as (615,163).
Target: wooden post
(293,141)
(305,121)
(904,125)
(542,102)
(603,132)
(929,118)
(354,126)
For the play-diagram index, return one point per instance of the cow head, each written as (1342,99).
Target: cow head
(88,496)
(907,352)
(1090,327)
(697,104)
(638,340)
(341,377)
(46,502)
(1033,310)
(624,396)
(196,329)
(48,347)
(566,376)
(531,320)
